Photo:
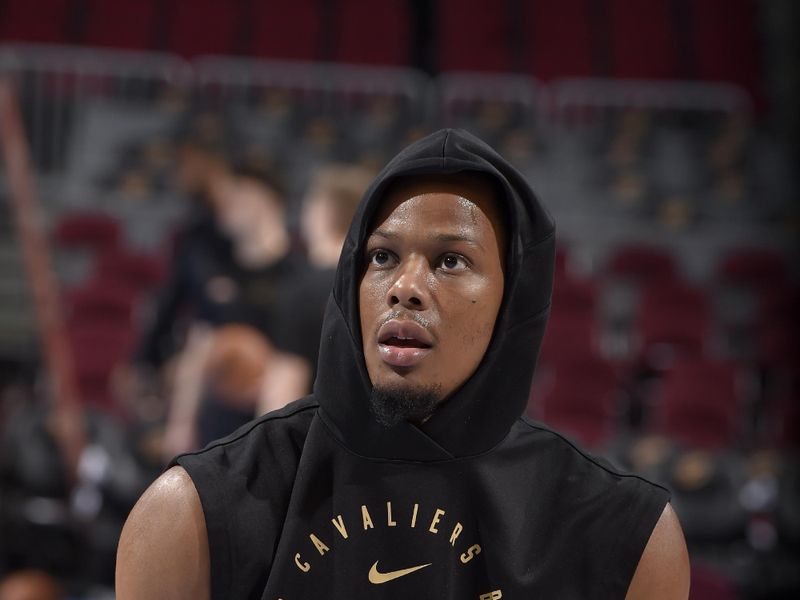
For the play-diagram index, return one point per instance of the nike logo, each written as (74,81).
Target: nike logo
(377,577)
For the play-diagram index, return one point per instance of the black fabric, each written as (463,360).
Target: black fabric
(304,502)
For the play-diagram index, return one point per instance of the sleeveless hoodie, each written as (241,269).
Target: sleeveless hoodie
(320,501)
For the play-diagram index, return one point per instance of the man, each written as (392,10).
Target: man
(409,473)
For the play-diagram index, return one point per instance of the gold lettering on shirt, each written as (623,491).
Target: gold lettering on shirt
(435,521)
(389,521)
(319,545)
(414,516)
(367,519)
(303,566)
(456,532)
(338,522)
(495,595)
(471,553)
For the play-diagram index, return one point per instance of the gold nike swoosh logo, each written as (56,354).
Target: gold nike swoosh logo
(377,577)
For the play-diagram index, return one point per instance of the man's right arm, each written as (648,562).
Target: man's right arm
(163,549)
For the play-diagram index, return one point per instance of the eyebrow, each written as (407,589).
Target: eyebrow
(440,237)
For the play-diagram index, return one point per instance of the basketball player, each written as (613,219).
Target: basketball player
(410,472)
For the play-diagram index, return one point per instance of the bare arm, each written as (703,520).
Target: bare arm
(663,571)
(163,549)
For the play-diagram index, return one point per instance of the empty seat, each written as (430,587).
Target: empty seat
(369,32)
(699,404)
(138,271)
(44,21)
(100,303)
(673,320)
(474,35)
(558,39)
(121,24)
(581,400)
(754,267)
(642,263)
(643,44)
(287,29)
(89,230)
(203,27)
(569,335)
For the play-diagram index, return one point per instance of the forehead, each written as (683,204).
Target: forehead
(462,198)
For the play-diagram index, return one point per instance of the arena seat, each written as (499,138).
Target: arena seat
(572,294)
(96,231)
(724,41)
(709,584)
(96,351)
(138,271)
(121,24)
(673,317)
(474,35)
(366,32)
(44,21)
(203,27)
(287,29)
(642,264)
(581,400)
(558,36)
(754,268)
(643,43)
(699,404)
(100,303)
(569,334)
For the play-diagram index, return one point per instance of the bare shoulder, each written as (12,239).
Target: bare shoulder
(163,549)
(663,570)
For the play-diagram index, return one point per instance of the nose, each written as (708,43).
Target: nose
(410,288)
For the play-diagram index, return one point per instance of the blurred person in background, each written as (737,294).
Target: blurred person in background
(29,585)
(328,207)
(248,290)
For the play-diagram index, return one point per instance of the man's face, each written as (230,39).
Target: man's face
(432,285)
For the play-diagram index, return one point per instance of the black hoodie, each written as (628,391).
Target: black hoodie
(319,500)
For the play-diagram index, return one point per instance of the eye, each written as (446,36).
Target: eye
(453,262)
(380,258)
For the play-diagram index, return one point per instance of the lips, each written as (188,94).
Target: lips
(403,343)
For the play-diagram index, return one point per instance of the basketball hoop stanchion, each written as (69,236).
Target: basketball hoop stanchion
(67,410)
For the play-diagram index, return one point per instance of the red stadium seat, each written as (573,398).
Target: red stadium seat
(369,32)
(754,267)
(96,351)
(121,24)
(474,35)
(204,27)
(558,36)
(570,335)
(92,230)
(643,44)
(100,303)
(581,400)
(777,325)
(674,318)
(725,41)
(708,584)
(642,264)
(574,294)
(44,21)
(699,404)
(137,271)
(287,29)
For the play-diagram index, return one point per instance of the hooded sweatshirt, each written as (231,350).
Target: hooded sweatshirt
(320,500)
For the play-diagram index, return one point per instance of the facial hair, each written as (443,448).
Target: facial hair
(393,404)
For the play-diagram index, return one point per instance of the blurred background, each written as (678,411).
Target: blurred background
(196,163)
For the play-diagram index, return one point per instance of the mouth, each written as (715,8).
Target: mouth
(403,343)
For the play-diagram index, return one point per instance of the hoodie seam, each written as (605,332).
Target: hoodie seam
(436,461)
(588,457)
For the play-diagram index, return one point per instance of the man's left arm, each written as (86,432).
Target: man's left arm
(663,570)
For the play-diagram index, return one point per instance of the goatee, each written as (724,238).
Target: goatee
(392,405)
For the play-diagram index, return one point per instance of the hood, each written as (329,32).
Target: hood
(480,413)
